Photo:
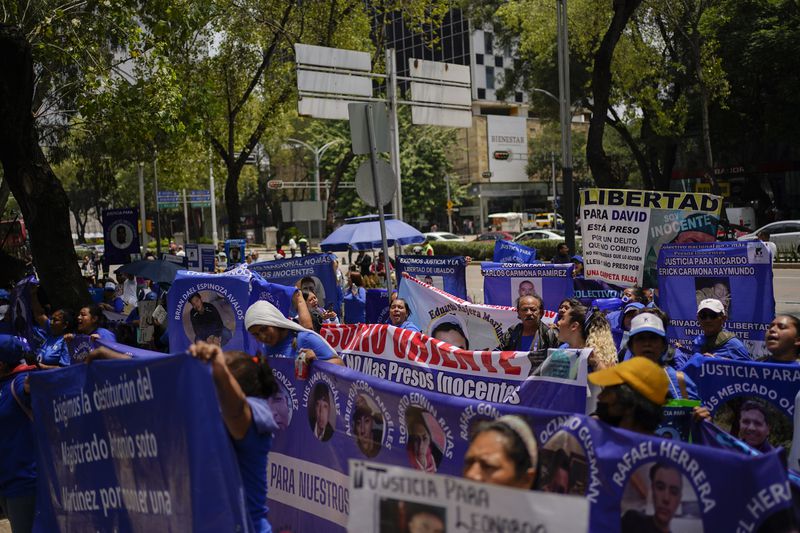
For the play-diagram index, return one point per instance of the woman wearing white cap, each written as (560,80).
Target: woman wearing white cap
(716,341)
(282,337)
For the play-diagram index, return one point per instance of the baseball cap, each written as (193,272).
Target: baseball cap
(640,373)
(647,322)
(712,304)
(12,348)
(577,258)
(633,306)
(110,286)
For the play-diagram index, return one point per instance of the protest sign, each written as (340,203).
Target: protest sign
(146,325)
(676,422)
(208,307)
(431,306)
(738,274)
(21,311)
(589,290)
(753,401)
(207,255)
(387,499)
(180,260)
(503,283)
(235,250)
(512,252)
(79,347)
(314,272)
(623,230)
(428,363)
(377,310)
(107,462)
(120,235)
(278,295)
(339,414)
(446,272)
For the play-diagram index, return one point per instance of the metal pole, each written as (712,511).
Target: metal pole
(185,218)
(566,124)
(373,160)
(555,190)
(158,213)
(214,236)
(142,215)
(317,194)
(449,209)
(394,130)
(480,205)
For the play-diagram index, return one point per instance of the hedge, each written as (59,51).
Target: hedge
(484,250)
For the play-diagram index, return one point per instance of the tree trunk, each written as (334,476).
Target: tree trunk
(601,92)
(232,204)
(42,200)
(5,192)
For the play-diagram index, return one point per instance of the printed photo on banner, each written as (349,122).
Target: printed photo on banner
(207,316)
(399,516)
(755,421)
(368,425)
(280,404)
(121,234)
(717,288)
(659,497)
(526,287)
(435,281)
(426,440)
(563,468)
(322,412)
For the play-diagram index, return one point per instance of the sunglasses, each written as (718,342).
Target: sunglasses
(707,315)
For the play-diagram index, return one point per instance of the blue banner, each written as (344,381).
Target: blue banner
(340,414)
(79,347)
(208,255)
(511,252)
(235,250)
(127,446)
(314,272)
(589,290)
(377,310)
(446,272)
(504,283)
(22,322)
(730,388)
(192,256)
(739,274)
(120,235)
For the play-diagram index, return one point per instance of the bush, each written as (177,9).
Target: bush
(484,250)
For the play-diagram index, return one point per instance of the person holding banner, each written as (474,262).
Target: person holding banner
(355,301)
(398,315)
(783,340)
(578,326)
(17,445)
(502,452)
(530,335)
(244,384)
(716,341)
(111,302)
(91,321)
(53,353)
(633,395)
(577,262)
(282,337)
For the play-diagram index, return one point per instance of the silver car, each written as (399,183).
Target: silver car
(784,233)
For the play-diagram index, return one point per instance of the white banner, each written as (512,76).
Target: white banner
(389,499)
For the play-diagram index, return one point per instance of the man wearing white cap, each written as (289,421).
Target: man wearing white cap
(283,338)
(111,302)
(716,341)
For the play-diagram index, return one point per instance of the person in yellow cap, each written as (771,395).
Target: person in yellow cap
(633,395)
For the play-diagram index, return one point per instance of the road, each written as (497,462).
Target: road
(786,285)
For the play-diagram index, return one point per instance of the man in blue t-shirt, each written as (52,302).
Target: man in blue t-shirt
(716,341)
(530,335)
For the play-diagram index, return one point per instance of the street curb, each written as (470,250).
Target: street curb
(785,265)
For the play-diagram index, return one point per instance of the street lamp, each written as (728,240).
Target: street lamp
(317,156)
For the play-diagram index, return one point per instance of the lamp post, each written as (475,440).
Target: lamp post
(317,156)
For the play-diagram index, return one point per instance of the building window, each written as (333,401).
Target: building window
(479,59)
(518,97)
(481,94)
(490,77)
(488,43)
(498,61)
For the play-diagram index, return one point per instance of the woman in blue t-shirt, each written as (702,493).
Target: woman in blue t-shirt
(398,315)
(90,322)
(53,352)
(244,385)
(355,301)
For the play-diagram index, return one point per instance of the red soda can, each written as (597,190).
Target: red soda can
(301,366)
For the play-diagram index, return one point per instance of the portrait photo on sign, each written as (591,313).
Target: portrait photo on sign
(434,281)
(452,330)
(426,440)
(755,421)
(562,466)
(398,516)
(121,235)
(658,497)
(280,404)
(717,288)
(322,412)
(314,284)
(525,287)
(368,425)
(207,316)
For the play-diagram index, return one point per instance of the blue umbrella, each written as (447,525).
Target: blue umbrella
(364,233)
(154,269)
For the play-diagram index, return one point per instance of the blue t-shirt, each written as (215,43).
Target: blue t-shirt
(409,326)
(105,334)
(355,306)
(117,304)
(305,339)
(733,349)
(525,342)
(17,446)
(675,387)
(251,454)
(54,350)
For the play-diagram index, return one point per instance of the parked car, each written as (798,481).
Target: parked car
(496,236)
(443,236)
(784,233)
(545,220)
(540,234)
